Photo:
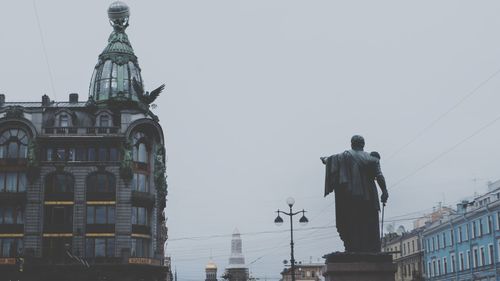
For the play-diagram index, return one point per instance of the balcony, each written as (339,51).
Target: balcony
(58,228)
(13,197)
(142,199)
(59,196)
(100,228)
(81,131)
(141,229)
(11,228)
(101,196)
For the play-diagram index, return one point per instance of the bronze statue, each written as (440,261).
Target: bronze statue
(352,175)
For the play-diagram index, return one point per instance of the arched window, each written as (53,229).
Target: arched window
(101,182)
(59,183)
(140,151)
(13,144)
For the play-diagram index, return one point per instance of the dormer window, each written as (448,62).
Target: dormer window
(63,120)
(104,121)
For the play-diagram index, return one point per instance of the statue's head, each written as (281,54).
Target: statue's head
(357,142)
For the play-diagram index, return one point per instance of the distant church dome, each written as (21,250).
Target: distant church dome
(211,265)
(117,65)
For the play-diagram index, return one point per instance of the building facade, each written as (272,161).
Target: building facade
(304,272)
(82,183)
(466,245)
(407,254)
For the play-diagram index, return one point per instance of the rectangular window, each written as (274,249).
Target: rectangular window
(438,240)
(462,261)
(104,121)
(139,247)
(91,154)
(480,227)
(11,182)
(413,245)
(140,216)
(433,243)
(459,234)
(100,214)
(10,247)
(491,254)
(468,263)
(21,187)
(445,265)
(81,154)
(452,237)
(483,257)
(475,262)
(490,225)
(444,239)
(2,182)
(113,154)
(429,269)
(103,154)
(498,221)
(453,263)
(63,121)
(473,232)
(466,232)
(99,247)
(49,154)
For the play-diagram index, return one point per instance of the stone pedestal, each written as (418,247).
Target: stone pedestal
(359,267)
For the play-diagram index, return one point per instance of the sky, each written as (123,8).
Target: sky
(257,91)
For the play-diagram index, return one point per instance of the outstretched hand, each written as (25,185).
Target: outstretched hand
(384,197)
(323,159)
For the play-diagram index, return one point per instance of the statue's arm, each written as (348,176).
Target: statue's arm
(381,183)
(324,159)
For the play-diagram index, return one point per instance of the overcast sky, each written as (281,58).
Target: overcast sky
(257,91)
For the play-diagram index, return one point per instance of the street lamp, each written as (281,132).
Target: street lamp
(279,221)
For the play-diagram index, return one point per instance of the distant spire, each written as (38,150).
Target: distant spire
(236,260)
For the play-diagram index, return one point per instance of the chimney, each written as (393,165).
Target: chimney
(45,100)
(73,98)
(2,99)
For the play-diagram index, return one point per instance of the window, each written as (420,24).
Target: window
(466,232)
(140,182)
(104,121)
(453,263)
(100,214)
(413,245)
(434,271)
(11,215)
(445,266)
(439,267)
(103,154)
(438,240)
(459,234)
(63,120)
(433,243)
(491,254)
(101,182)
(473,230)
(480,227)
(475,262)
(462,261)
(55,249)
(490,225)
(139,247)
(12,182)
(13,144)
(429,269)
(483,257)
(452,237)
(99,247)
(59,182)
(140,216)
(140,151)
(92,154)
(498,221)
(11,247)
(444,239)
(468,263)
(58,215)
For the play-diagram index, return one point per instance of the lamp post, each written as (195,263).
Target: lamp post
(279,221)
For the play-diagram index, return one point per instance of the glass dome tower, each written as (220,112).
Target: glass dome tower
(117,65)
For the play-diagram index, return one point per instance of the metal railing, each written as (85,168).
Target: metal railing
(81,130)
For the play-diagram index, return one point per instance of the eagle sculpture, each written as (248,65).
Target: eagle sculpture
(146,98)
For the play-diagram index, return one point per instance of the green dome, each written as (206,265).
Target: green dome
(117,65)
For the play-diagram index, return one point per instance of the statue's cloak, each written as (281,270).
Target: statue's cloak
(351,175)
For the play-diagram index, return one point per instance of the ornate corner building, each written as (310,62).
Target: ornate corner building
(83,183)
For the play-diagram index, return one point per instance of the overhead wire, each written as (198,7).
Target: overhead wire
(440,117)
(44,49)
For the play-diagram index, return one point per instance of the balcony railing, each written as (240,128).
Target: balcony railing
(142,199)
(81,131)
(13,197)
(58,228)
